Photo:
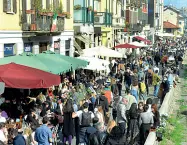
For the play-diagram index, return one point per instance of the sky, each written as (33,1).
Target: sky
(176,3)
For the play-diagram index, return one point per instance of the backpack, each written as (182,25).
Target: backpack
(97,138)
(86,119)
(142,87)
(93,139)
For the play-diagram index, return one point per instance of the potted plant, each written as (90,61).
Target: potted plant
(33,27)
(67,15)
(127,25)
(90,8)
(59,10)
(77,7)
(30,11)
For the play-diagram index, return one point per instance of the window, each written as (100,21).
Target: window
(67,47)
(10,6)
(57,47)
(9,50)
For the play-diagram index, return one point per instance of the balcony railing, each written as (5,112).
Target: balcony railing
(102,18)
(42,23)
(83,15)
(119,22)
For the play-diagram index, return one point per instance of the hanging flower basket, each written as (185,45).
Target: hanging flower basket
(67,15)
(77,7)
(61,15)
(46,13)
(30,11)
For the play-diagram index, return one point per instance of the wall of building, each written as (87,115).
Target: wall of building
(10,21)
(181,25)
(68,22)
(171,16)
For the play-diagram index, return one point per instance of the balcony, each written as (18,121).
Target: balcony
(84,15)
(118,22)
(42,23)
(102,18)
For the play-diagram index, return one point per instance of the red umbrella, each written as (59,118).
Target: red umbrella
(143,39)
(20,76)
(126,45)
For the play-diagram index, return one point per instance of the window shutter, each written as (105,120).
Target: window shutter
(32,4)
(15,6)
(47,3)
(54,4)
(68,5)
(5,6)
(57,3)
(24,8)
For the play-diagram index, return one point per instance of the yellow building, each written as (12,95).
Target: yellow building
(26,26)
(171,20)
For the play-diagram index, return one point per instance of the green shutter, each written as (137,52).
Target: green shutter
(5,6)
(24,8)
(15,6)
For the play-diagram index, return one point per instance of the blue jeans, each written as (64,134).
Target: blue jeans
(135,94)
(122,126)
(156,89)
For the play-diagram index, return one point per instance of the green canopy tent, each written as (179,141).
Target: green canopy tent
(75,62)
(27,60)
(43,62)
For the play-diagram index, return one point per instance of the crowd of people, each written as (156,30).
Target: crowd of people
(93,109)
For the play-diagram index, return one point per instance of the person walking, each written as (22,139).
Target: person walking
(121,115)
(156,80)
(43,134)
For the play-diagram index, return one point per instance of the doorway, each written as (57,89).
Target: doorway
(43,47)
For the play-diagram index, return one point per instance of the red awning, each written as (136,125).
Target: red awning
(143,39)
(20,76)
(126,45)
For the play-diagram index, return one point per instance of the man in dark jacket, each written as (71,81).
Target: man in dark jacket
(19,139)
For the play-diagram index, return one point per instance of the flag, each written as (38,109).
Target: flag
(53,28)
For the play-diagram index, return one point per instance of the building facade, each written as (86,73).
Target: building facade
(171,20)
(27,27)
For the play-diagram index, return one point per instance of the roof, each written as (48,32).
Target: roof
(172,8)
(168,25)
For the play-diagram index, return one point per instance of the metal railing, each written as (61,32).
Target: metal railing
(84,15)
(102,18)
(42,23)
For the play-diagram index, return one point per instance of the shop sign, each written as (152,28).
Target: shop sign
(28,47)
(8,49)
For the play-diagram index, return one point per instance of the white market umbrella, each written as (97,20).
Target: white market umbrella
(139,44)
(101,51)
(94,60)
(95,67)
